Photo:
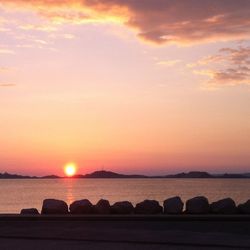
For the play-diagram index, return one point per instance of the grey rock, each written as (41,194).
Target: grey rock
(224,206)
(122,207)
(197,205)
(53,206)
(102,207)
(81,207)
(148,207)
(31,211)
(173,205)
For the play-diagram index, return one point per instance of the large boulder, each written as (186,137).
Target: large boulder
(81,207)
(148,207)
(173,205)
(29,211)
(197,205)
(244,208)
(52,206)
(224,206)
(102,207)
(122,207)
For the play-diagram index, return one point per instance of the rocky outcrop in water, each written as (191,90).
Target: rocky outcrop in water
(81,207)
(148,207)
(122,207)
(173,205)
(53,206)
(223,206)
(197,205)
(244,208)
(29,211)
(102,207)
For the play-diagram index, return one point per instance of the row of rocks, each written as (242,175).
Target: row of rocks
(174,205)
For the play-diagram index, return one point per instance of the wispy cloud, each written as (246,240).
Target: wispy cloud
(4,69)
(7,84)
(168,63)
(3,29)
(60,36)
(41,41)
(6,51)
(45,28)
(156,21)
(229,67)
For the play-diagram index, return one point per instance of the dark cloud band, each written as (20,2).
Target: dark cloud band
(157,21)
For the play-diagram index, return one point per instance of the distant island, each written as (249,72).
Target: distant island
(113,175)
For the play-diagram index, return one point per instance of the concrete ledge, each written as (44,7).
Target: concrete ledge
(137,232)
(132,217)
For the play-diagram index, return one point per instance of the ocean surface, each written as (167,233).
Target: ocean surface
(26,193)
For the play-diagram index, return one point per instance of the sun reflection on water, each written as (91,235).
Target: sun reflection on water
(69,184)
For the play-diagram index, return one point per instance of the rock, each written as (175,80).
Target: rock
(173,205)
(81,207)
(148,207)
(52,206)
(102,207)
(197,205)
(224,206)
(244,208)
(122,207)
(28,211)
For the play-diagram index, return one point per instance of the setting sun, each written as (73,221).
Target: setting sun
(70,169)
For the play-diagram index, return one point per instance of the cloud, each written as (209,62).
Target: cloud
(7,85)
(168,63)
(2,29)
(230,66)
(156,21)
(66,36)
(6,51)
(44,28)
(3,69)
(40,41)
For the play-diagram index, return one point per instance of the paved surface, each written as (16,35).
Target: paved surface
(55,245)
(123,234)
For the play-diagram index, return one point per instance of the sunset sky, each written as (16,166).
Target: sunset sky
(132,86)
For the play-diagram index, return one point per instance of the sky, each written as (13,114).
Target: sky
(149,86)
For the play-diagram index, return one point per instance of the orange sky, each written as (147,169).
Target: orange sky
(150,86)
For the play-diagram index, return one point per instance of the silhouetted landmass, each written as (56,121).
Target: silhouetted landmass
(50,177)
(193,174)
(233,176)
(109,174)
(15,176)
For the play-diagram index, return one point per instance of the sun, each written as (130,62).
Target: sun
(70,169)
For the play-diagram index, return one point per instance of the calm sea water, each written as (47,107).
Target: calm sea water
(18,194)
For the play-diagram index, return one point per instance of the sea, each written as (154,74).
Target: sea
(16,194)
